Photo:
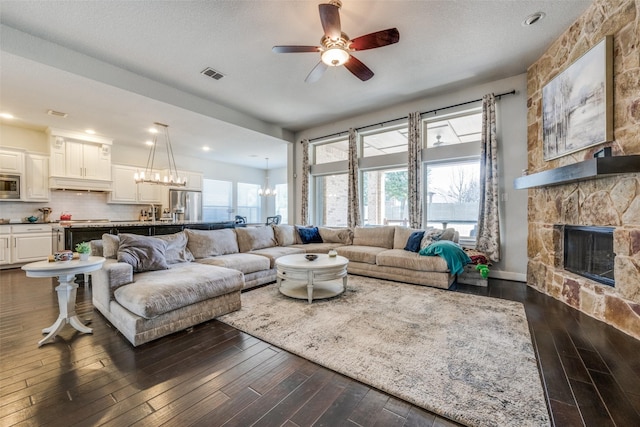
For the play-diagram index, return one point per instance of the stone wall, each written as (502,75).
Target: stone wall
(612,201)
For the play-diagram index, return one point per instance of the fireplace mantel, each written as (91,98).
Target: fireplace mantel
(584,170)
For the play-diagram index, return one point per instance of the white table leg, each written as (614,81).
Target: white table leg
(66,290)
(310,286)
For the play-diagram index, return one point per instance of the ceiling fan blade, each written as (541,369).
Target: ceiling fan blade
(316,73)
(377,39)
(330,17)
(358,69)
(295,49)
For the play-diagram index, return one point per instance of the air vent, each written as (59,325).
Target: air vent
(57,113)
(210,72)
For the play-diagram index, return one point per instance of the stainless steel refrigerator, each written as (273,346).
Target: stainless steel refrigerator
(187,202)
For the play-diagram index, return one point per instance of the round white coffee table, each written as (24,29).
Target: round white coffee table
(298,277)
(66,272)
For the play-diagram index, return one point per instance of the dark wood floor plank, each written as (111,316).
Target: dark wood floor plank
(565,415)
(617,402)
(318,404)
(594,413)
(344,405)
(419,418)
(255,410)
(369,408)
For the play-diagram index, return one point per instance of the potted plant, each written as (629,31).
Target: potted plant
(84,250)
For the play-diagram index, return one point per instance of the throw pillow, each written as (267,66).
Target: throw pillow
(110,243)
(430,236)
(448,234)
(414,240)
(310,235)
(143,253)
(285,234)
(177,250)
(335,235)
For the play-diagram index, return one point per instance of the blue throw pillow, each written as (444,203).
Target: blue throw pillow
(310,235)
(413,242)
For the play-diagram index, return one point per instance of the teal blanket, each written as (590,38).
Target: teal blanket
(452,253)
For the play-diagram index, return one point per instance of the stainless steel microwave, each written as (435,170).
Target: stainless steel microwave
(9,186)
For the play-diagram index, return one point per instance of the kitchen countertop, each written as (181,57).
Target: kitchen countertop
(125,223)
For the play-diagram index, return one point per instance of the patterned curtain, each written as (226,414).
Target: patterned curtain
(304,214)
(353,211)
(415,172)
(488,240)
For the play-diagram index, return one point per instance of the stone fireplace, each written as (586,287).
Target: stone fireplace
(611,201)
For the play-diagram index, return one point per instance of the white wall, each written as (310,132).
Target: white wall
(512,140)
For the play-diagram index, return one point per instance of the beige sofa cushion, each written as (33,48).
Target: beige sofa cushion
(411,261)
(374,236)
(401,235)
(247,263)
(157,292)
(285,234)
(251,238)
(336,235)
(276,252)
(365,254)
(110,244)
(206,243)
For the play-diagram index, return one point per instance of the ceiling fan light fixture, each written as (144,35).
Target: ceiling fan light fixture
(335,56)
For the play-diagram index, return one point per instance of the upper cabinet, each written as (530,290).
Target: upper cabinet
(194,180)
(79,161)
(37,178)
(126,191)
(11,162)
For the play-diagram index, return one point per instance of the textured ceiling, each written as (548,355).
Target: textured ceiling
(117,66)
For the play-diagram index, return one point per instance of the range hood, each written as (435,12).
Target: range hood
(76,184)
(581,171)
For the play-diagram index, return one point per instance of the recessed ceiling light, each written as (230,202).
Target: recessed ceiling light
(533,18)
(205,148)
(90,131)
(153,130)
(6,116)
(149,142)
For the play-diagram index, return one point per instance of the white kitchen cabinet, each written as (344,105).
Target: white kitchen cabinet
(30,242)
(11,162)
(5,244)
(79,161)
(126,191)
(37,178)
(86,161)
(194,180)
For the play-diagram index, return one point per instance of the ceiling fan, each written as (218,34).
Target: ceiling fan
(336,47)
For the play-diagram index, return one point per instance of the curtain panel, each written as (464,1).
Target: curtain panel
(488,239)
(353,210)
(304,214)
(415,171)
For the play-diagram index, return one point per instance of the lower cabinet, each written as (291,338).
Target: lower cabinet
(29,243)
(5,242)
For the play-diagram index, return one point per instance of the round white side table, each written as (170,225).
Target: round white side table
(66,273)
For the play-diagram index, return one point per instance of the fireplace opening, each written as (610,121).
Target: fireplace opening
(588,251)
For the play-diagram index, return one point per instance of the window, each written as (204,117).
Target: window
(455,129)
(331,200)
(282,202)
(217,204)
(331,152)
(385,197)
(452,196)
(249,204)
(386,142)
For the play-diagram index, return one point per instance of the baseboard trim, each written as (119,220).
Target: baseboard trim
(508,275)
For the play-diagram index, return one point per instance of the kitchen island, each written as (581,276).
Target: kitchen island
(66,234)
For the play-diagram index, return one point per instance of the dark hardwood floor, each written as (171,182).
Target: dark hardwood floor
(216,375)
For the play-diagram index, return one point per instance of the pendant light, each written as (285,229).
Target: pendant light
(150,175)
(266,190)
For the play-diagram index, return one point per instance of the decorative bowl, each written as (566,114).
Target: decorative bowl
(32,218)
(65,217)
(311,257)
(62,256)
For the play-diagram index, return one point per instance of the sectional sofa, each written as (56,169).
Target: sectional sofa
(150,287)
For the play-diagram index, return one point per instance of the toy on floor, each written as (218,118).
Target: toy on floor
(483,269)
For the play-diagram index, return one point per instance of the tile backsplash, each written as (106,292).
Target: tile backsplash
(81,205)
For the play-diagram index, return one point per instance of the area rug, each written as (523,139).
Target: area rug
(467,358)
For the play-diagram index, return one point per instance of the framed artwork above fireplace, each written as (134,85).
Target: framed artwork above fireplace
(577,105)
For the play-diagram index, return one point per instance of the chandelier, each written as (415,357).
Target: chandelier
(150,175)
(266,190)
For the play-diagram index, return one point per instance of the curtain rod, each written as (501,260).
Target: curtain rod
(512,92)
